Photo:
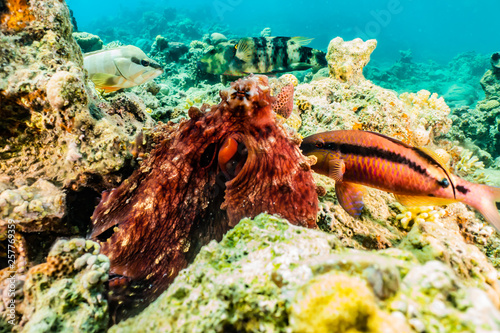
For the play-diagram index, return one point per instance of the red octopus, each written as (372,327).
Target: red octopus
(200,179)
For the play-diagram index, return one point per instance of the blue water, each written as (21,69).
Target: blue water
(432,29)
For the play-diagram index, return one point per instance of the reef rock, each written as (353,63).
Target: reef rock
(88,42)
(491,79)
(269,276)
(480,124)
(67,292)
(460,95)
(347,59)
(58,138)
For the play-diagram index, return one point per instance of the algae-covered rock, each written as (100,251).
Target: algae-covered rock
(88,42)
(66,294)
(236,285)
(59,140)
(269,276)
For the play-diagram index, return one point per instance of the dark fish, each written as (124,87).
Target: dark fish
(262,55)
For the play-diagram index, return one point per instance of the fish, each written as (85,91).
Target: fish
(262,55)
(121,67)
(416,176)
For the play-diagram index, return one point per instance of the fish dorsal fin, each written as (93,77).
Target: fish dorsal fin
(350,197)
(123,66)
(104,80)
(435,156)
(301,41)
(417,201)
(245,49)
(439,161)
(336,169)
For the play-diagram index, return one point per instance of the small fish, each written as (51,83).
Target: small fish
(262,55)
(121,67)
(416,176)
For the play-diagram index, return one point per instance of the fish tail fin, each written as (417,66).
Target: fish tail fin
(485,202)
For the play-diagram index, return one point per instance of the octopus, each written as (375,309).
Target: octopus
(226,162)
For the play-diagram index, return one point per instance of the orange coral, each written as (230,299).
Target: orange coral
(18,16)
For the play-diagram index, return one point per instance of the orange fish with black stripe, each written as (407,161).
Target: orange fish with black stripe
(416,176)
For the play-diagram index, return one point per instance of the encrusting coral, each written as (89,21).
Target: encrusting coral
(267,275)
(67,292)
(225,163)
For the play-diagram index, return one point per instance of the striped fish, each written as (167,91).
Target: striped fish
(415,176)
(121,67)
(262,55)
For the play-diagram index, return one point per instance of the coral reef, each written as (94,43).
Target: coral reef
(347,59)
(480,125)
(88,42)
(57,135)
(457,81)
(67,291)
(222,165)
(269,276)
(328,104)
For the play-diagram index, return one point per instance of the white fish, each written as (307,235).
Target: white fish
(121,67)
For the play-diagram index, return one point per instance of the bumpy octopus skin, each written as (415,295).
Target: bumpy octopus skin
(201,178)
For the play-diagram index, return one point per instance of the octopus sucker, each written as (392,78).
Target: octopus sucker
(226,162)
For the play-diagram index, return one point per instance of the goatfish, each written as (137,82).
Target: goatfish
(416,176)
(262,55)
(121,67)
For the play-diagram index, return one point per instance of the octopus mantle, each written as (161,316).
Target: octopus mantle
(231,162)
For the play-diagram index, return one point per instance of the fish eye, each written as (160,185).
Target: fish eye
(145,63)
(444,182)
(319,144)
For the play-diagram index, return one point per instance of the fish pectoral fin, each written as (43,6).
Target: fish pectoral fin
(336,169)
(302,41)
(245,49)
(350,197)
(105,81)
(416,200)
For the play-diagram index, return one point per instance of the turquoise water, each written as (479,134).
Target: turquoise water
(437,30)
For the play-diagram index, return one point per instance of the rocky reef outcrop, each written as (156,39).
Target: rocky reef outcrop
(480,126)
(57,137)
(269,276)
(61,143)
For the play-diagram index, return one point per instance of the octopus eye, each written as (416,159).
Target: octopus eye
(319,144)
(208,156)
(444,182)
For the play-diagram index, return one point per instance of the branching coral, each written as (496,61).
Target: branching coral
(412,215)
(468,163)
